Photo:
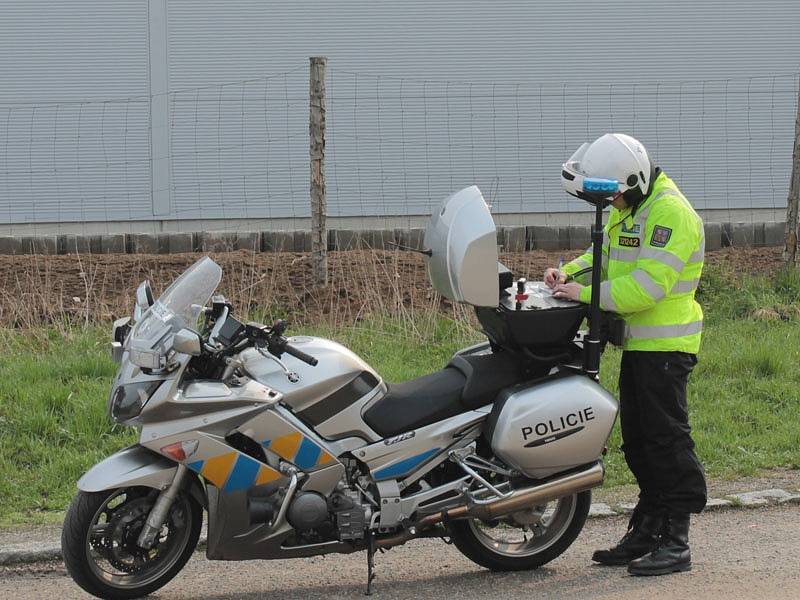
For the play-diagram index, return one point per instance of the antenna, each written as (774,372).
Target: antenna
(410,249)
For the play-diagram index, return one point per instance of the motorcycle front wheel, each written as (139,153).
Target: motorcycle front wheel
(525,540)
(99,541)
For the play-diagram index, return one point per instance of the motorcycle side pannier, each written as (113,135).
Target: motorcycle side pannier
(552,425)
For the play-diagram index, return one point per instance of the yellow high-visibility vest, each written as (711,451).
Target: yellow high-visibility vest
(652,261)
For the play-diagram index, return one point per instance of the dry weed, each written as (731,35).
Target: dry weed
(363,285)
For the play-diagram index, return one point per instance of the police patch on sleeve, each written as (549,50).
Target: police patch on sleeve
(660,236)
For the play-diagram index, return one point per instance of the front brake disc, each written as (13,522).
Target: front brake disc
(127,522)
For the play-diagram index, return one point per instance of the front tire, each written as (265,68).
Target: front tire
(98,542)
(508,545)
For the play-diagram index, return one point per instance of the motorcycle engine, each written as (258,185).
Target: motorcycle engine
(342,515)
(307,511)
(350,514)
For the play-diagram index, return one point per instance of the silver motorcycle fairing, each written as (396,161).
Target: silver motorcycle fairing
(135,466)
(337,367)
(406,456)
(349,422)
(283,435)
(194,406)
(220,464)
(232,537)
(131,466)
(251,409)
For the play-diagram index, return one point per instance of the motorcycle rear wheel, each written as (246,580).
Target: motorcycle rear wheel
(506,545)
(98,542)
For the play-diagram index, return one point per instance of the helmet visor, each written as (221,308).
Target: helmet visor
(577,156)
(571,172)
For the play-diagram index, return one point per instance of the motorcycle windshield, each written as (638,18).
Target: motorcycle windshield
(180,305)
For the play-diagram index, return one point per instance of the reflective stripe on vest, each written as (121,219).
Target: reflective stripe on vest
(699,254)
(650,332)
(605,297)
(664,257)
(623,254)
(590,251)
(655,291)
(682,287)
(582,263)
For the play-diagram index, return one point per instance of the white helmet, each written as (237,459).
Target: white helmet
(615,157)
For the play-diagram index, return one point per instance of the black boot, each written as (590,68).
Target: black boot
(672,554)
(641,538)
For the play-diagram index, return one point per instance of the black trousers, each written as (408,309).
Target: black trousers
(656,435)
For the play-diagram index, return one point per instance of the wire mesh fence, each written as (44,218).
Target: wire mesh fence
(237,152)
(80,178)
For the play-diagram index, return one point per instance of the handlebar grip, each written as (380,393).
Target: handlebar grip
(300,355)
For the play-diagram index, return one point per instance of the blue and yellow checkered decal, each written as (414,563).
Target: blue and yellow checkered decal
(234,471)
(299,450)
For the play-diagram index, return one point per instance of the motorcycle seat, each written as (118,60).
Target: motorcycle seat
(466,383)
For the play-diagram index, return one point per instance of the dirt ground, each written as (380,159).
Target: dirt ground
(42,289)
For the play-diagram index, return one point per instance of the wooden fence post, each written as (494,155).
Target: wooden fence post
(316,152)
(791,252)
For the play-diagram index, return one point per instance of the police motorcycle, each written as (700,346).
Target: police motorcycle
(294,446)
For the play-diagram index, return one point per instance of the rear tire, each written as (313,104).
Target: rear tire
(469,537)
(83,550)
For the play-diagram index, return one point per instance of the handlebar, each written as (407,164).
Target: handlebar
(231,336)
(300,355)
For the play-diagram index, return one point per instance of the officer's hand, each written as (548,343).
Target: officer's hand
(568,291)
(552,277)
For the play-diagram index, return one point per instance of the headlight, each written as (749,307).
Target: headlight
(128,400)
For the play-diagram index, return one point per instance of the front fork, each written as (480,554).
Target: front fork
(158,514)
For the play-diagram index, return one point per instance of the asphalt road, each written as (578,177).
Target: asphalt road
(737,554)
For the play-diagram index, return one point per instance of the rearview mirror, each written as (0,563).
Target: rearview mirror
(118,334)
(144,300)
(187,341)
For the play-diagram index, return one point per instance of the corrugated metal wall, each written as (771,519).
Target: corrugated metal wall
(65,153)
(423,98)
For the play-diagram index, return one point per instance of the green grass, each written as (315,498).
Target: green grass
(52,418)
(744,393)
(744,400)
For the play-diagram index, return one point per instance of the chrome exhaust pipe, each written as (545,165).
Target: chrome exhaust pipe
(539,494)
(518,500)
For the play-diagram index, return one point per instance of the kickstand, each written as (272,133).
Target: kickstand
(370,561)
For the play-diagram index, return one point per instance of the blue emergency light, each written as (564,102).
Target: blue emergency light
(604,186)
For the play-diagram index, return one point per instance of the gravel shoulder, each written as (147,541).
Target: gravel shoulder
(36,543)
(787,479)
(738,555)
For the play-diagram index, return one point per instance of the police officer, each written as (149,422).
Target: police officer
(652,259)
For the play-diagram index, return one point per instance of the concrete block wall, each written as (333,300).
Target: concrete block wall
(509,239)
